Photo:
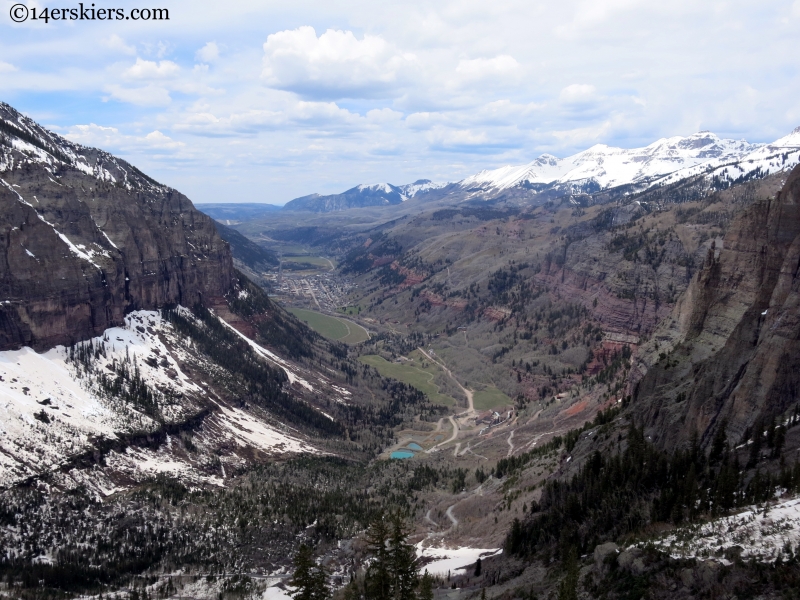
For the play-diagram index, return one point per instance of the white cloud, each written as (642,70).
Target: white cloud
(147,69)
(117,44)
(208,53)
(334,65)
(384,115)
(110,138)
(400,91)
(287,114)
(149,95)
(592,14)
(578,93)
(583,136)
(159,140)
(462,140)
(94,135)
(483,68)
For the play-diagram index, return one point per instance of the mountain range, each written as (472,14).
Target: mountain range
(601,167)
(119,299)
(378,194)
(579,379)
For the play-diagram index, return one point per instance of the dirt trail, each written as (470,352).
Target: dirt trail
(450,516)
(429,520)
(510,441)
(448,440)
(467,393)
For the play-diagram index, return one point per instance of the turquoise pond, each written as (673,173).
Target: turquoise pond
(402,454)
(414,446)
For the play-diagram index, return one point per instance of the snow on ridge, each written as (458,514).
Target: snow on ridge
(609,166)
(759,533)
(56,149)
(52,407)
(273,358)
(421,186)
(386,188)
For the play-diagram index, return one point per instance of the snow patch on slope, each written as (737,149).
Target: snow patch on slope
(451,560)
(420,186)
(664,161)
(52,408)
(760,534)
(263,352)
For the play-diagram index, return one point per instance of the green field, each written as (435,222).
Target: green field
(317,261)
(490,397)
(412,374)
(331,327)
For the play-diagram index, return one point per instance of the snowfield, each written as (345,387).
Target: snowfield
(451,560)
(52,409)
(762,534)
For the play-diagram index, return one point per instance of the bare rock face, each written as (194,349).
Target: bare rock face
(730,352)
(86,238)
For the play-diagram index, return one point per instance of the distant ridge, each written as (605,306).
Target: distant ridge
(234,212)
(600,167)
(377,194)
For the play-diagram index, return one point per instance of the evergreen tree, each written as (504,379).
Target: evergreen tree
(309,581)
(319,582)
(392,575)
(425,587)
(377,581)
(568,588)
(403,561)
(351,591)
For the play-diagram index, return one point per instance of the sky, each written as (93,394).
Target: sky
(260,101)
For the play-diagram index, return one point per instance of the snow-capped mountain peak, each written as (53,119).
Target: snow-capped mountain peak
(377,187)
(608,166)
(34,143)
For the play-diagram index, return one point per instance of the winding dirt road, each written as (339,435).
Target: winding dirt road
(452,517)
(448,440)
(467,393)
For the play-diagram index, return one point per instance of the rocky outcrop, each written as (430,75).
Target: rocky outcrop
(730,351)
(86,238)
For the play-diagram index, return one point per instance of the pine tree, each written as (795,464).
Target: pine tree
(310,582)
(377,581)
(351,591)
(319,581)
(425,587)
(568,588)
(403,561)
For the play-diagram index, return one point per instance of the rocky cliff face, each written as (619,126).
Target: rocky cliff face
(729,355)
(86,238)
